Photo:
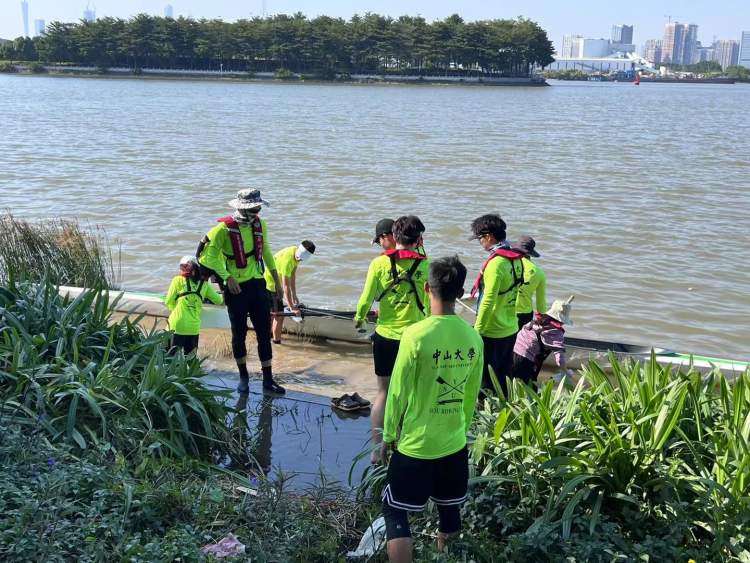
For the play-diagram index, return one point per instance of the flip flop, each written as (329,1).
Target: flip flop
(345,403)
(363,403)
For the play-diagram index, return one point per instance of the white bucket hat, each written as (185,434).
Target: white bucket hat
(560,310)
(188,260)
(248,199)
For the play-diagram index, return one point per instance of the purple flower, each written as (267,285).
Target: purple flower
(51,461)
(254,482)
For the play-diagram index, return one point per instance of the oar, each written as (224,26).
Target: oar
(465,306)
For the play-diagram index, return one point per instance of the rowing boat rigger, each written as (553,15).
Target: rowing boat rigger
(337,325)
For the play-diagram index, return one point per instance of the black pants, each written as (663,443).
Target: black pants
(188,343)
(498,353)
(524,318)
(525,369)
(251,302)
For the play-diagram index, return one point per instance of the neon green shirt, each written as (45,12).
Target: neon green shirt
(286,265)
(185,317)
(216,253)
(534,284)
(434,387)
(496,317)
(398,307)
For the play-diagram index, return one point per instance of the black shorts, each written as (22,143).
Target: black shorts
(498,354)
(384,352)
(188,343)
(411,482)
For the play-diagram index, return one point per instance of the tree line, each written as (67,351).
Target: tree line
(370,43)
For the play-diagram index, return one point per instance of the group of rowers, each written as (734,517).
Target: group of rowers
(430,363)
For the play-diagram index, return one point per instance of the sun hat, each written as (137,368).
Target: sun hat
(188,260)
(527,245)
(302,253)
(560,310)
(384,227)
(248,199)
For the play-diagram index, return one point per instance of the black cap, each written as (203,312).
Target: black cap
(526,244)
(384,227)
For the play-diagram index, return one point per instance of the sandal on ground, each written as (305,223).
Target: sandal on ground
(345,403)
(273,387)
(363,403)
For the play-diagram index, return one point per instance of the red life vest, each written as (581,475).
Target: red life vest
(511,255)
(238,246)
(403,254)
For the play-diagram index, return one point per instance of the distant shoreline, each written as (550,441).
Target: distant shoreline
(234,76)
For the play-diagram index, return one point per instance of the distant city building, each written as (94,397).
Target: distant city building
(679,43)
(89,14)
(703,53)
(168,11)
(572,47)
(744,58)
(726,52)
(25,14)
(622,34)
(652,51)
(39,27)
(595,48)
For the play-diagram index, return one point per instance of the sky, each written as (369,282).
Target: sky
(720,19)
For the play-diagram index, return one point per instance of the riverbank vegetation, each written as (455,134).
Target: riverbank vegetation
(56,249)
(567,74)
(325,46)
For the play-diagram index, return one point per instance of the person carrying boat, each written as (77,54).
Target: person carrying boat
(184,300)
(384,234)
(396,280)
(496,291)
(534,284)
(287,260)
(237,251)
(431,402)
(540,337)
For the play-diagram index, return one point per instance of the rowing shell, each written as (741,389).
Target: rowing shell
(338,325)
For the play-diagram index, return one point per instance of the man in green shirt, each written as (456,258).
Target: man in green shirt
(496,289)
(534,284)
(237,251)
(431,400)
(395,279)
(287,260)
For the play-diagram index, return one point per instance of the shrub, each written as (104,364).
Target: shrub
(8,67)
(283,74)
(37,68)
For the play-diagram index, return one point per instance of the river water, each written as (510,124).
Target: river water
(637,197)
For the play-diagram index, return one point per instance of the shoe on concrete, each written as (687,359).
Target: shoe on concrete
(244,386)
(273,387)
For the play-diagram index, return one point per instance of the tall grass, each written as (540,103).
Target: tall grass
(647,449)
(69,370)
(58,250)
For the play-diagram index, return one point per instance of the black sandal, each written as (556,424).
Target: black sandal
(345,403)
(363,403)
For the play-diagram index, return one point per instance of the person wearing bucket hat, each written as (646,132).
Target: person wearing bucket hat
(538,338)
(534,282)
(184,300)
(238,253)
(287,260)
(496,291)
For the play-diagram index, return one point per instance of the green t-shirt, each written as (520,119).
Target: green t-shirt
(286,265)
(216,254)
(434,387)
(185,316)
(534,285)
(398,307)
(496,317)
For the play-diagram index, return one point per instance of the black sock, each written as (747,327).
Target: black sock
(267,374)
(243,371)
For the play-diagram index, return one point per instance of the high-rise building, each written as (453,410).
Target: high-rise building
(572,47)
(89,14)
(703,53)
(39,27)
(25,14)
(652,51)
(679,43)
(744,58)
(168,11)
(726,52)
(595,48)
(622,34)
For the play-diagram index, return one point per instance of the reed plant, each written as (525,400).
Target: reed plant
(68,369)
(58,250)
